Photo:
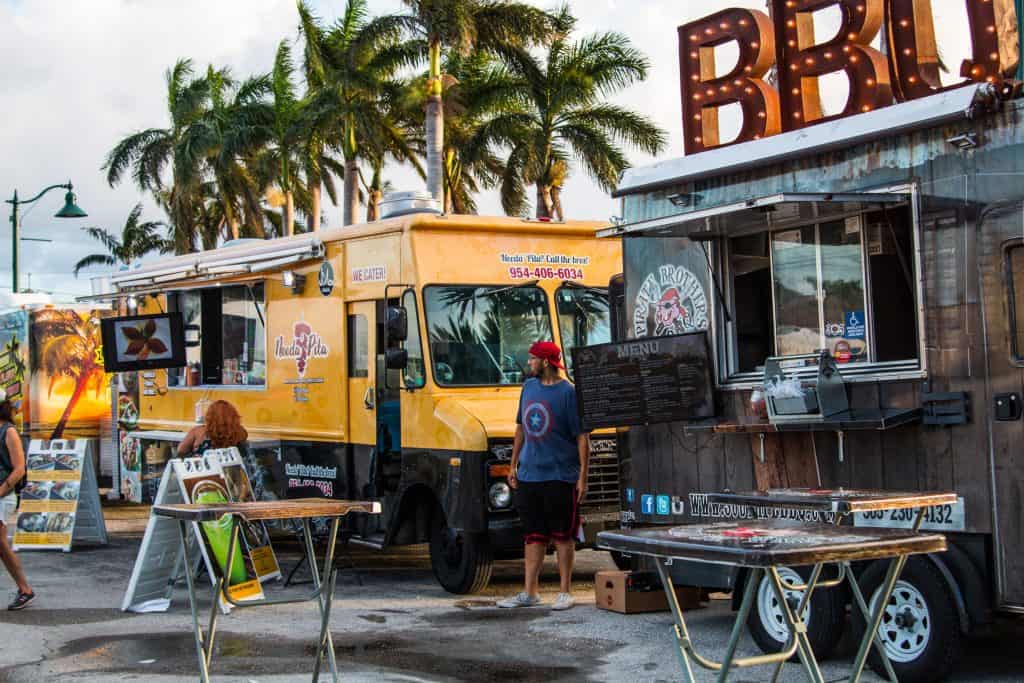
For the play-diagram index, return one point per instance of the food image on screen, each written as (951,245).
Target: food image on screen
(36,490)
(142,340)
(41,461)
(65,490)
(68,461)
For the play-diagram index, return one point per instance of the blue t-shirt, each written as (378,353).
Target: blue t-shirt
(551,423)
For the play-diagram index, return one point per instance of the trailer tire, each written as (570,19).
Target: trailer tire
(929,647)
(825,623)
(461,561)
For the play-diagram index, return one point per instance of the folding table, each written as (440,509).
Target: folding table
(763,547)
(840,503)
(323,586)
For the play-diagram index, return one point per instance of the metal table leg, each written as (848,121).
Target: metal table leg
(871,635)
(326,597)
(197,631)
(682,636)
(797,627)
(753,579)
(801,609)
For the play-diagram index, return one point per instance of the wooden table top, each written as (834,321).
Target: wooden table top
(843,501)
(299,508)
(770,543)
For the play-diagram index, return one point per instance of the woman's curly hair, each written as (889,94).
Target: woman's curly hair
(224,425)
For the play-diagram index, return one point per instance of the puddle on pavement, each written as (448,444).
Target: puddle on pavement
(374,618)
(238,654)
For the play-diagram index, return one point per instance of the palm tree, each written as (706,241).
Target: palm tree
(564,116)
(137,239)
(349,67)
(459,26)
(235,125)
(70,348)
(479,89)
(285,136)
(147,153)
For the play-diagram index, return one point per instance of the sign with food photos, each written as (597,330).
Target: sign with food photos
(60,494)
(218,476)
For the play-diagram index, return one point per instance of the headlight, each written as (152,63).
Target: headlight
(500,495)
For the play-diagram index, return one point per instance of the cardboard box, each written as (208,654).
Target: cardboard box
(635,592)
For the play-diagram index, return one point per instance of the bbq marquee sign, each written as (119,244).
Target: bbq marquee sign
(908,71)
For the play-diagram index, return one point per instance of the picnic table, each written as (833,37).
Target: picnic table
(763,547)
(302,509)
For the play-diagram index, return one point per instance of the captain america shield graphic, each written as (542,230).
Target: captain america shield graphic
(537,420)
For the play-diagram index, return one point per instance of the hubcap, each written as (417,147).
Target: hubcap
(770,611)
(906,624)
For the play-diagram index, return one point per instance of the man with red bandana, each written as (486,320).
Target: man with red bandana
(550,456)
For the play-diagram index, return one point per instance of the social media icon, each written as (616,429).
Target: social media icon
(647,504)
(664,505)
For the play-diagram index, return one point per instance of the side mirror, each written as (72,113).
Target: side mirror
(397,324)
(396,359)
(193,336)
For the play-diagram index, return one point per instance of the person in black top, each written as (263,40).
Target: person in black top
(12,471)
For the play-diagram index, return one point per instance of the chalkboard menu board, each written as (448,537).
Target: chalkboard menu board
(644,381)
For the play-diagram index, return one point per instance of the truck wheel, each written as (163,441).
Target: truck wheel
(920,629)
(622,562)
(461,561)
(825,619)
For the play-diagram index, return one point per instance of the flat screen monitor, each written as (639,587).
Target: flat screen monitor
(143,342)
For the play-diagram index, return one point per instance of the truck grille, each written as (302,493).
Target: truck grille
(603,476)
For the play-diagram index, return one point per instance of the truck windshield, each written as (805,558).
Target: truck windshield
(481,335)
(583,318)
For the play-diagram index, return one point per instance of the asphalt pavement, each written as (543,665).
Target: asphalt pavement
(399,625)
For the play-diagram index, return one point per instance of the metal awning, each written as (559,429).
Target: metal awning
(192,270)
(755,215)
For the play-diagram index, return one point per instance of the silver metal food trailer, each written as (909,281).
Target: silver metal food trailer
(894,242)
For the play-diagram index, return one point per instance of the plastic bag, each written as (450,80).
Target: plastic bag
(777,387)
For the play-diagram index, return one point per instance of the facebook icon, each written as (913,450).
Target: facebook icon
(647,504)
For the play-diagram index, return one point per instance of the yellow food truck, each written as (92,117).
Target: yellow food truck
(387,359)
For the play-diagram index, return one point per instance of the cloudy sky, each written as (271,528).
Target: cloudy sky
(81,75)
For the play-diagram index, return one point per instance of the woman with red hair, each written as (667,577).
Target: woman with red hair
(221,428)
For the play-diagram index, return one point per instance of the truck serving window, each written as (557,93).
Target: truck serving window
(481,335)
(235,352)
(846,285)
(583,318)
(1015,285)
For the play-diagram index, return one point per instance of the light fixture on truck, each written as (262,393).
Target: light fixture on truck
(293,281)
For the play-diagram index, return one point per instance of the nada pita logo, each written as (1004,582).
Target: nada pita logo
(670,301)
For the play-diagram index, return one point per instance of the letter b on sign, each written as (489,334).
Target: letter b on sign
(704,92)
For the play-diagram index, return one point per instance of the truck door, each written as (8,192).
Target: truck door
(1001,251)
(362,394)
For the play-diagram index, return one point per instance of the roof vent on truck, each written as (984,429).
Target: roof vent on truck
(404,203)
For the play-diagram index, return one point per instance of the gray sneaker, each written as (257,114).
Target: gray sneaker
(563,601)
(523,599)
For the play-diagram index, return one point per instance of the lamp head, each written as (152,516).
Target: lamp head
(70,209)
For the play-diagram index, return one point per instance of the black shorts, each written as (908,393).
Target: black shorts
(548,511)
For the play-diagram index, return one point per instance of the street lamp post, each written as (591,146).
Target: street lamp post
(69,210)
